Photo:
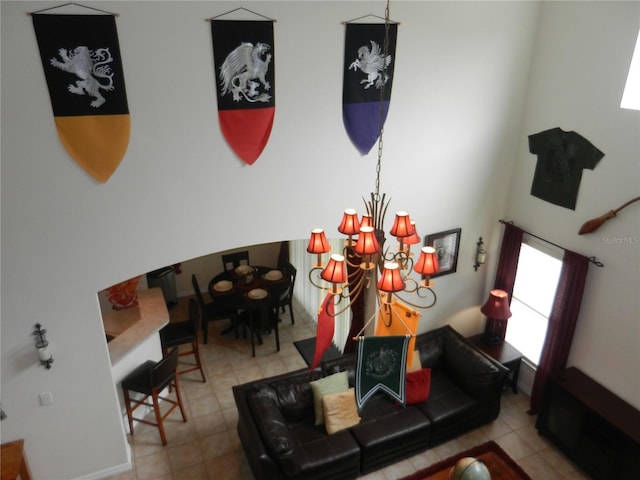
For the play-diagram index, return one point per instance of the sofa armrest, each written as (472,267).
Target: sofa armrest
(480,376)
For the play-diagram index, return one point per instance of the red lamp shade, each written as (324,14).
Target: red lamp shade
(350,224)
(497,305)
(367,243)
(427,263)
(390,278)
(414,237)
(367,221)
(335,271)
(402,226)
(318,242)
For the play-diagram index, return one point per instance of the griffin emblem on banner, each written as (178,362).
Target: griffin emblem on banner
(371,62)
(91,67)
(242,67)
(381,363)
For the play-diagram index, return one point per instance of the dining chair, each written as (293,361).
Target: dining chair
(212,311)
(150,379)
(231,261)
(259,318)
(185,333)
(286,297)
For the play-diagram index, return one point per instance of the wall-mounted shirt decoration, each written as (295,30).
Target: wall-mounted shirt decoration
(367,70)
(245,84)
(81,59)
(561,158)
(381,365)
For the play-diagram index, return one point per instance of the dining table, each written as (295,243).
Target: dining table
(238,287)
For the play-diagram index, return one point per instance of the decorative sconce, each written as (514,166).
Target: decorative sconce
(42,345)
(481,254)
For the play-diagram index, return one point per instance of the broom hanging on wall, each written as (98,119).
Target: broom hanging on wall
(594,224)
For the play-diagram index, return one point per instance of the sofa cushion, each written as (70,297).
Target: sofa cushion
(446,400)
(340,411)
(387,438)
(417,386)
(336,383)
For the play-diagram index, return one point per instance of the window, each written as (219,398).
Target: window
(533,295)
(631,95)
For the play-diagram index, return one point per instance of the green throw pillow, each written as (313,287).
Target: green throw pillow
(336,383)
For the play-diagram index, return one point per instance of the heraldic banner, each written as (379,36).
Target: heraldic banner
(243,59)
(404,319)
(364,61)
(381,365)
(83,68)
(324,329)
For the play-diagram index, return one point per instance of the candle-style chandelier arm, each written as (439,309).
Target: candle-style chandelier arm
(358,282)
(421,292)
(402,257)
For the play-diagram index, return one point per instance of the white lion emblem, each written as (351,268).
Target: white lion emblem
(242,66)
(90,66)
(372,63)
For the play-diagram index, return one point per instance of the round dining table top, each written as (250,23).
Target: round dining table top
(238,287)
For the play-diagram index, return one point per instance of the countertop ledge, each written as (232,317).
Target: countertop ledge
(133,326)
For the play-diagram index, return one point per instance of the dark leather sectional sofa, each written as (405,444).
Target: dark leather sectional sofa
(276,416)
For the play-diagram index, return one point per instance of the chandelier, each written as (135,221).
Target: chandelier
(362,261)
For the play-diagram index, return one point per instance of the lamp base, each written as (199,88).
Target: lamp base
(492,340)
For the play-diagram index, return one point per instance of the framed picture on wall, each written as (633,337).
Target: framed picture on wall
(446,244)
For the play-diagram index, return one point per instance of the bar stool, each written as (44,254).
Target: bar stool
(183,333)
(150,379)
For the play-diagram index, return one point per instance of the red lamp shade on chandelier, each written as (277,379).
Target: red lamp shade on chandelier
(367,221)
(497,310)
(367,245)
(350,225)
(414,238)
(427,264)
(335,272)
(390,280)
(318,244)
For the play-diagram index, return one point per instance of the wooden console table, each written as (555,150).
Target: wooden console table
(14,461)
(506,354)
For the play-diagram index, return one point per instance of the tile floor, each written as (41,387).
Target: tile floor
(207,446)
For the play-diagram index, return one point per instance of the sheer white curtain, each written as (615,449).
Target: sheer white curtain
(311,297)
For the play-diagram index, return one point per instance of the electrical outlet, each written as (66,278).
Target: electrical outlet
(45,398)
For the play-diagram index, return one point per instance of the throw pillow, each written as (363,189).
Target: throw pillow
(340,411)
(416,364)
(336,383)
(418,386)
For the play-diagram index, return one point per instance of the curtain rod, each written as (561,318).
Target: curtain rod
(593,260)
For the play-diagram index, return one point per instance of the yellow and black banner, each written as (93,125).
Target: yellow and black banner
(83,68)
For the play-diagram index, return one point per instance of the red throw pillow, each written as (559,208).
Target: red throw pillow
(417,386)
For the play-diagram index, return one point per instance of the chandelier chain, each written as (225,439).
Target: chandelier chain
(385,53)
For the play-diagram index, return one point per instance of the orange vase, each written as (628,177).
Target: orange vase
(124,294)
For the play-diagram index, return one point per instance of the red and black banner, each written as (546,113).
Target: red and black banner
(245,84)
(83,68)
(367,73)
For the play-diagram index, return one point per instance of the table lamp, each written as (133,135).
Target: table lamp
(497,311)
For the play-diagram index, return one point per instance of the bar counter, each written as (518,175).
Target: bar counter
(133,326)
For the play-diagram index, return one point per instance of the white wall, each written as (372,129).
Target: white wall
(451,138)
(582,56)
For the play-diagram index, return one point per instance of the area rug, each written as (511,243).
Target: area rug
(499,464)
